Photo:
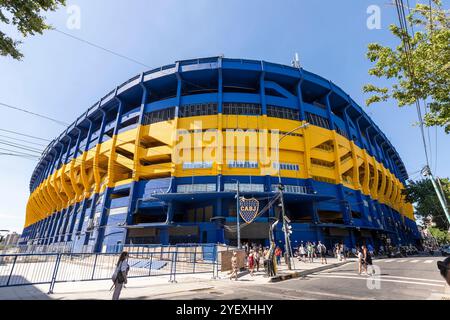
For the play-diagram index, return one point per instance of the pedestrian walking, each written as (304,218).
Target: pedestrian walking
(120,274)
(251,262)
(342,252)
(234,266)
(278,255)
(322,252)
(368,261)
(302,253)
(257,258)
(310,249)
(360,256)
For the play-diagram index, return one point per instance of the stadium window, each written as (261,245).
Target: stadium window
(159,116)
(282,112)
(243,164)
(317,120)
(249,109)
(202,109)
(286,166)
(197,165)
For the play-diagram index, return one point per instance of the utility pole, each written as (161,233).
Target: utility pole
(286,234)
(287,244)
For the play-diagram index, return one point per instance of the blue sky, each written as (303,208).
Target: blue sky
(61,77)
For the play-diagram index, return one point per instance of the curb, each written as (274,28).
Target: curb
(298,274)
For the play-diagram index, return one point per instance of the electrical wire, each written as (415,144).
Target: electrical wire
(33,113)
(19,146)
(407,52)
(25,135)
(22,140)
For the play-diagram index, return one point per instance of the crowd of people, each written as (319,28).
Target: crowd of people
(256,257)
(310,251)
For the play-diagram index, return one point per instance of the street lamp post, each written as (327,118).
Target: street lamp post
(287,244)
(238,215)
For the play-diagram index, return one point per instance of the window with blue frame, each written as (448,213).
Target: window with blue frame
(245,109)
(317,120)
(282,112)
(159,116)
(198,109)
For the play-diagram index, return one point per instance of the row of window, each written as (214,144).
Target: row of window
(284,113)
(243,187)
(286,166)
(247,109)
(200,109)
(189,188)
(197,165)
(159,116)
(243,164)
(291,189)
(317,120)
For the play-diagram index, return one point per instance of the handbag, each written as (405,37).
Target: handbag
(120,277)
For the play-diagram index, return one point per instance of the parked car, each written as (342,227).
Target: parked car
(445,250)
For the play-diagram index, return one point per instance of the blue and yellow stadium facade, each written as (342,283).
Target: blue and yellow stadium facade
(112,176)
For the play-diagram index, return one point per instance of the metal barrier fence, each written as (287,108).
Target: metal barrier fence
(52,268)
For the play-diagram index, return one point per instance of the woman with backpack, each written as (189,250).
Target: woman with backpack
(120,274)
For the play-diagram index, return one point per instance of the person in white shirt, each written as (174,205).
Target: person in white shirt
(302,253)
(360,256)
(120,274)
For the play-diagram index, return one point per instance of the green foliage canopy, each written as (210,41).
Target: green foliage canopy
(429,76)
(26,16)
(426,202)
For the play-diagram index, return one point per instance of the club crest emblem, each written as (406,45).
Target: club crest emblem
(248,209)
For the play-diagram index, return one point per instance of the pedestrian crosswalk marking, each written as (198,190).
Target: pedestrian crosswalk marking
(379,278)
(403,260)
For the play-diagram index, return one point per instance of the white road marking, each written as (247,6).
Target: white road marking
(382,276)
(414,261)
(378,278)
(428,261)
(402,260)
(385,260)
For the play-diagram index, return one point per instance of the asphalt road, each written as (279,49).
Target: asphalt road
(403,279)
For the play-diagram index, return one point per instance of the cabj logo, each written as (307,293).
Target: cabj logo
(248,209)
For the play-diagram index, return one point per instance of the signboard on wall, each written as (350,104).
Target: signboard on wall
(248,209)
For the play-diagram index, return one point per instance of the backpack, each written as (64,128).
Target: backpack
(323,249)
(118,275)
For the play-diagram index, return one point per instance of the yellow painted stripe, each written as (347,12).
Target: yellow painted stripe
(118,161)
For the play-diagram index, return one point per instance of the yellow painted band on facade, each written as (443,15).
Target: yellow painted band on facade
(320,153)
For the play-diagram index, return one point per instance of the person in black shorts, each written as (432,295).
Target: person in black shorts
(322,252)
(367,261)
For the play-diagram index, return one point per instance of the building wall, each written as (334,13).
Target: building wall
(106,166)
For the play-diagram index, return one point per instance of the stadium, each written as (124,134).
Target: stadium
(160,159)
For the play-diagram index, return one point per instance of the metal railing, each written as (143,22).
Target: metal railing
(20,269)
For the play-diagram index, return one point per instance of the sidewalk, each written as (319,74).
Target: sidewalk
(159,287)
